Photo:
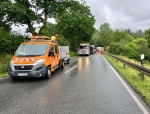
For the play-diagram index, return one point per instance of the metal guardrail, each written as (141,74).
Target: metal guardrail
(139,68)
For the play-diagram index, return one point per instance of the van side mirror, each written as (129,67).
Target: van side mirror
(14,52)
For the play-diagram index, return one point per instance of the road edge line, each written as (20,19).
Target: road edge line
(130,92)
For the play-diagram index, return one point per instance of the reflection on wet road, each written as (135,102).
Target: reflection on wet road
(85,86)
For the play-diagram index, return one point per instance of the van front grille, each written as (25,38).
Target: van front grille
(23,67)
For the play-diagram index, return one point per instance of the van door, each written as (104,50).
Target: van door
(56,55)
(51,57)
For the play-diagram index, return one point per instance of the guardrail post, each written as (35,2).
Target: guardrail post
(124,65)
(116,60)
(142,76)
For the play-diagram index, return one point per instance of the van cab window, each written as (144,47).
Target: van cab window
(51,51)
(51,48)
(84,46)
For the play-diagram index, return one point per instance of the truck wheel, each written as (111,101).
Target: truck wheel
(68,61)
(48,73)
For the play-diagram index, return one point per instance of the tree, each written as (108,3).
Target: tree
(135,48)
(76,24)
(50,29)
(116,48)
(105,34)
(147,36)
(138,34)
(96,39)
(31,12)
(131,51)
(9,42)
(121,36)
(142,45)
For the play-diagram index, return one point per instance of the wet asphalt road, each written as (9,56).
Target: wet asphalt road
(87,85)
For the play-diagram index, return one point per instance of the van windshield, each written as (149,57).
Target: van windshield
(84,46)
(31,50)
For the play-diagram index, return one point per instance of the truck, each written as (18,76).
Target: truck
(84,49)
(38,57)
(92,49)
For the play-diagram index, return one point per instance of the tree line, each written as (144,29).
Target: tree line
(74,21)
(74,24)
(123,41)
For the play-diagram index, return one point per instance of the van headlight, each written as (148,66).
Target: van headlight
(12,62)
(39,61)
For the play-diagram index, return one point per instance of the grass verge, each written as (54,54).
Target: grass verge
(133,77)
(2,75)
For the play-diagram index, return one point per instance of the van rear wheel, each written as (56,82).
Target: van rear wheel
(62,64)
(68,61)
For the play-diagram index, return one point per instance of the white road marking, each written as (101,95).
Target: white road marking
(70,69)
(130,92)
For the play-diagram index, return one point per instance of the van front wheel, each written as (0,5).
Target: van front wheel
(48,73)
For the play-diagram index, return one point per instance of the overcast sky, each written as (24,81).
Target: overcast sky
(124,14)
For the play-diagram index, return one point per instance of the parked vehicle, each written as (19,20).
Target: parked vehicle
(37,58)
(92,49)
(65,53)
(84,49)
(100,49)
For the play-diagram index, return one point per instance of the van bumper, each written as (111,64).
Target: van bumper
(27,71)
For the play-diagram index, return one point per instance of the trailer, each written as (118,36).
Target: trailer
(64,53)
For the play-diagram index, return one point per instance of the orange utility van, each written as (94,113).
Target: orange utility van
(37,58)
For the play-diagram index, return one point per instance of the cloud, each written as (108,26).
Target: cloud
(120,14)
(21,29)
(133,14)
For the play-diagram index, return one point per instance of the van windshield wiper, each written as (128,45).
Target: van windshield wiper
(17,54)
(32,55)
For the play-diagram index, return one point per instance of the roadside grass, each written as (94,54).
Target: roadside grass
(4,62)
(133,77)
(73,54)
(2,75)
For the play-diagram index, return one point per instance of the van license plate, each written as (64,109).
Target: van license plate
(22,74)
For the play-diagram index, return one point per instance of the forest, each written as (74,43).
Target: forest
(74,24)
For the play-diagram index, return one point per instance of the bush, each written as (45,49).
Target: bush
(73,54)
(116,48)
(131,51)
(9,41)
(147,56)
(4,61)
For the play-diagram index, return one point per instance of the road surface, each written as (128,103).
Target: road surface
(88,85)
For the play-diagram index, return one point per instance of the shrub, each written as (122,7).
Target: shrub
(147,56)
(4,61)
(116,48)
(73,54)
(132,52)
